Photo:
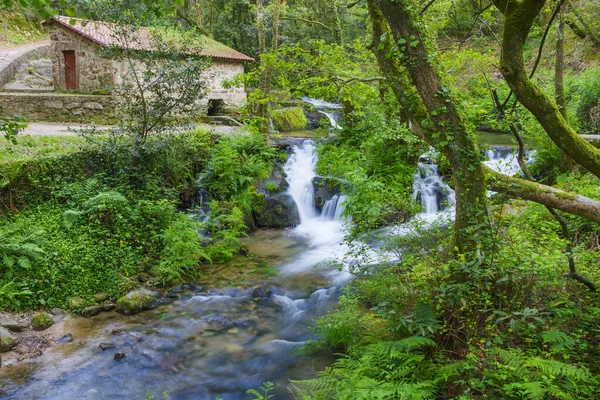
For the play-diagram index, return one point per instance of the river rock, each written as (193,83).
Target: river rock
(277,211)
(91,311)
(41,322)
(57,311)
(11,324)
(106,346)
(136,301)
(108,306)
(7,340)
(65,338)
(261,292)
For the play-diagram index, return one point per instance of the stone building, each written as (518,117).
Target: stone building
(78,66)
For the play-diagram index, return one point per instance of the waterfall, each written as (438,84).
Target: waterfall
(331,110)
(324,232)
(300,171)
(334,208)
(429,188)
(503,159)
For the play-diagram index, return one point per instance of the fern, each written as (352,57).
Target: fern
(385,370)
(534,377)
(558,340)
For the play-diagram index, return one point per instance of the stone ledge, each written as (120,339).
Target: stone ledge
(59,107)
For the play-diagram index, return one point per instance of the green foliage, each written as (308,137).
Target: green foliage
(265,390)
(181,253)
(584,96)
(236,166)
(393,370)
(10,127)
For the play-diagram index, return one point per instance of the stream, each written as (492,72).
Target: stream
(221,342)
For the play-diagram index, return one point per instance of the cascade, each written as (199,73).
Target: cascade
(429,188)
(331,110)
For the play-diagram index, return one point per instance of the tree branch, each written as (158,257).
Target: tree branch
(568,202)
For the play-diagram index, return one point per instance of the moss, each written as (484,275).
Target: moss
(289,119)
(41,322)
(135,302)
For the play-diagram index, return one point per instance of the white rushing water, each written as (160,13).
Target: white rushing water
(323,231)
(331,110)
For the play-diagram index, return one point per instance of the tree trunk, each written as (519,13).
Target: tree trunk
(261,26)
(440,122)
(518,19)
(589,30)
(568,202)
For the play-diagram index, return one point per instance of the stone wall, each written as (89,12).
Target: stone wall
(54,107)
(93,71)
(218,72)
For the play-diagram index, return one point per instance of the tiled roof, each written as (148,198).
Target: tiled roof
(106,34)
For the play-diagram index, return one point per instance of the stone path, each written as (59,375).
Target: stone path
(9,55)
(66,129)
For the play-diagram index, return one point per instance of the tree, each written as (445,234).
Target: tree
(163,79)
(10,127)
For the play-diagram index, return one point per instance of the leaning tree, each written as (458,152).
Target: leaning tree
(404,54)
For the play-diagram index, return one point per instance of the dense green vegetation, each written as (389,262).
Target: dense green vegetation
(85,224)
(502,306)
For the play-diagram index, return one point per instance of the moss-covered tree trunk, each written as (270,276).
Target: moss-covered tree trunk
(416,83)
(518,20)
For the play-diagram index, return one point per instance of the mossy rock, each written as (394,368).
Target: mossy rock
(41,322)
(289,119)
(276,211)
(7,340)
(136,301)
(100,297)
(76,302)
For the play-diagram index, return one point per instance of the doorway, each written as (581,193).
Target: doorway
(70,70)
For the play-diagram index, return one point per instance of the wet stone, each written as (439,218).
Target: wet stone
(91,311)
(10,324)
(108,306)
(261,292)
(106,346)
(7,340)
(65,338)
(120,356)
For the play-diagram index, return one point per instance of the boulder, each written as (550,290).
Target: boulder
(11,324)
(325,188)
(276,211)
(136,301)
(289,119)
(7,340)
(261,292)
(41,321)
(100,297)
(91,311)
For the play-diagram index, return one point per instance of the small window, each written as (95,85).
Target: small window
(215,107)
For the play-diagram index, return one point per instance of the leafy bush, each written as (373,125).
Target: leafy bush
(181,253)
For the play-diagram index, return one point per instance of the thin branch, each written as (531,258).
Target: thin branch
(427,6)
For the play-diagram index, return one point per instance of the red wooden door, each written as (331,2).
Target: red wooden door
(70,71)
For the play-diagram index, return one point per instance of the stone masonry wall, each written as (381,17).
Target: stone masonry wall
(93,71)
(218,72)
(59,107)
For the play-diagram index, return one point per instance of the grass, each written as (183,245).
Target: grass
(29,147)
(16,29)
